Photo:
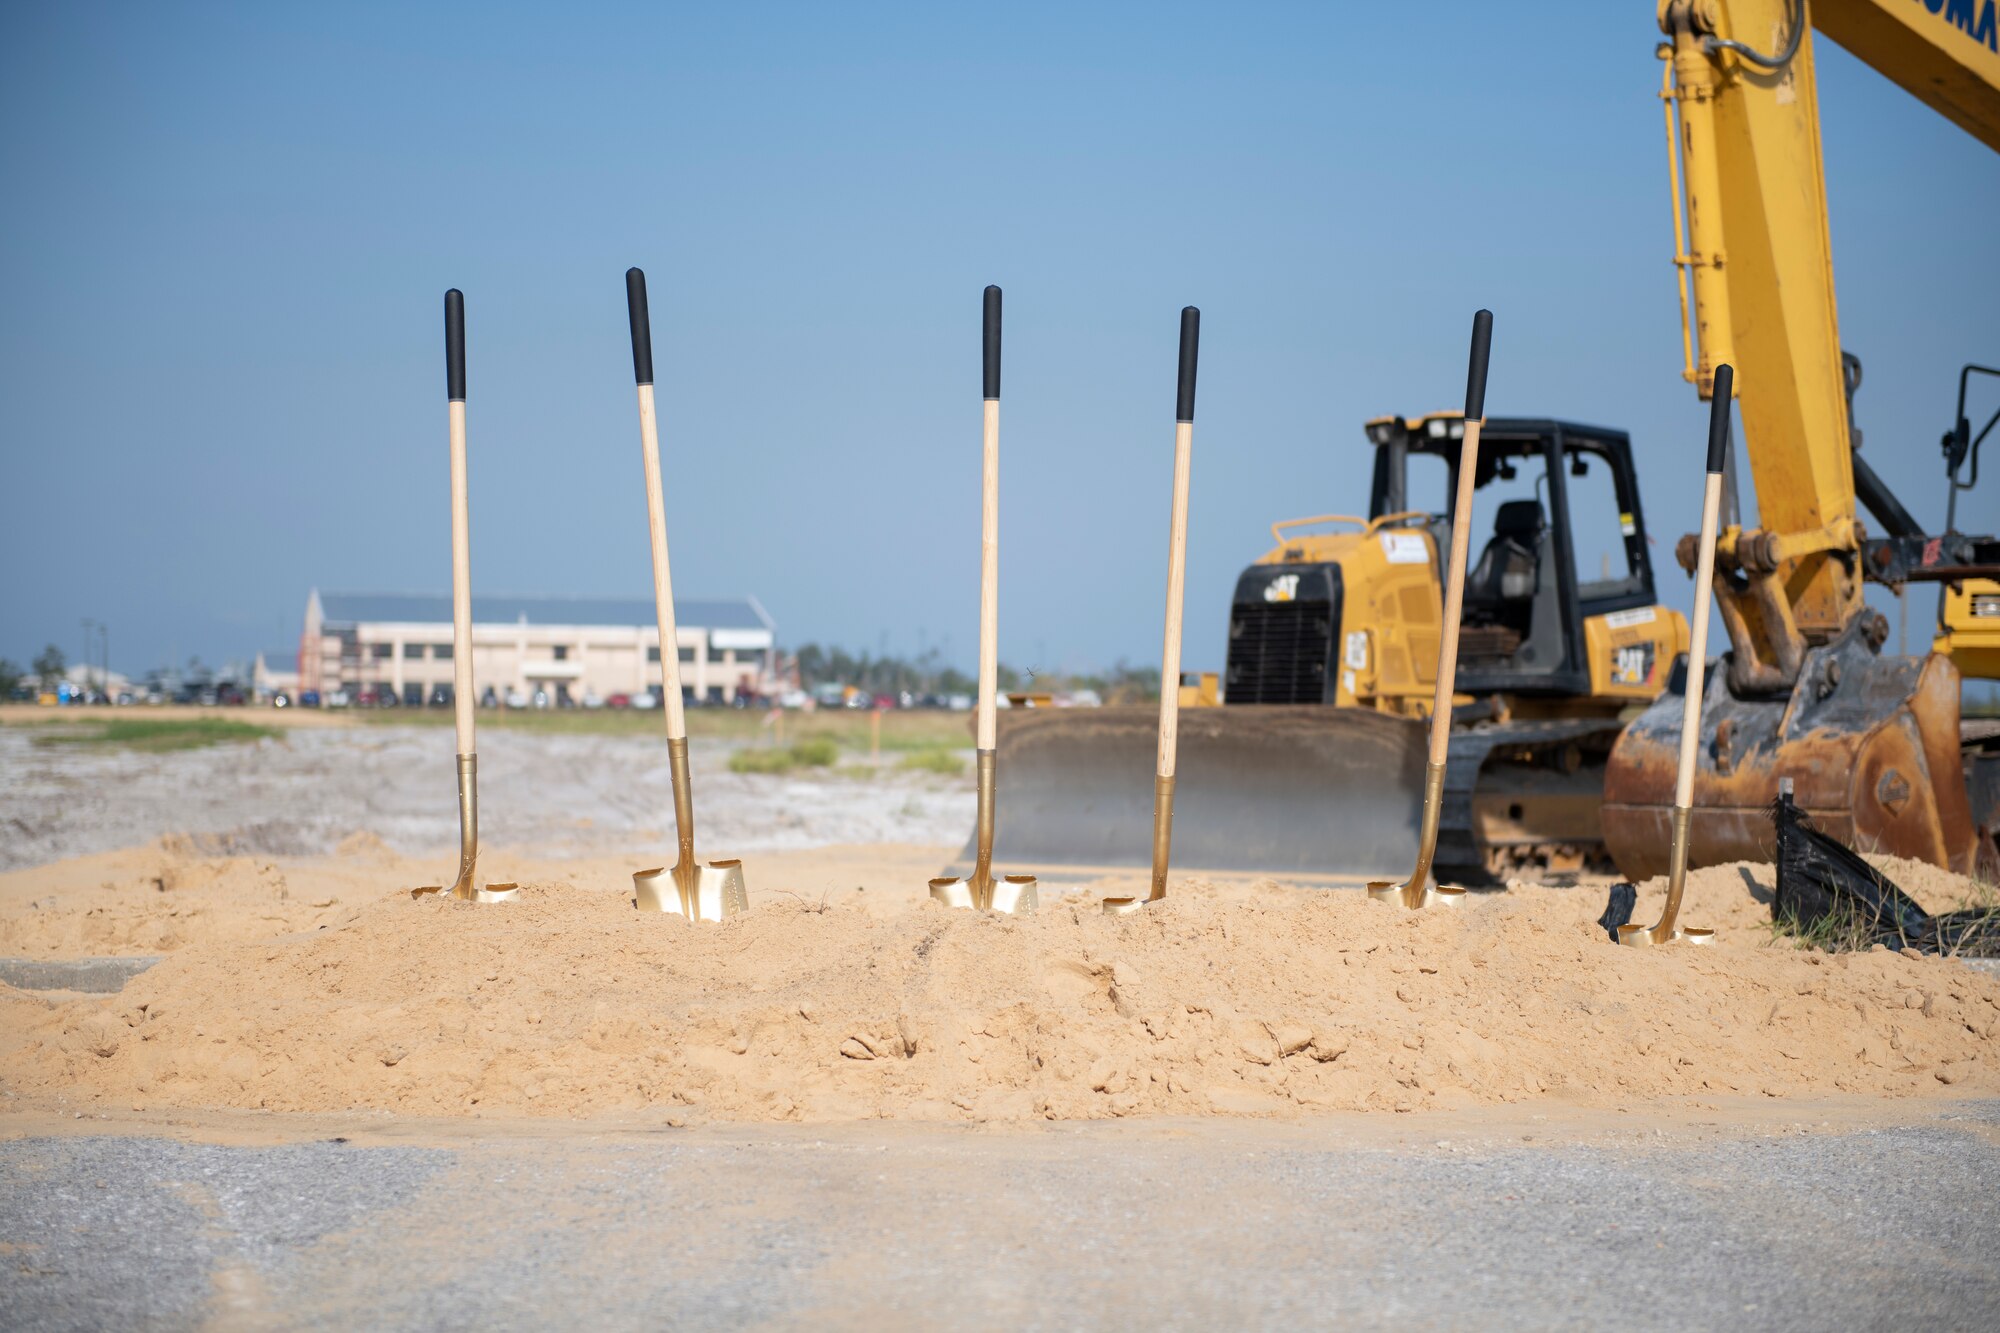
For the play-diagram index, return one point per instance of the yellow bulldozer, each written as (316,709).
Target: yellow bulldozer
(1567,723)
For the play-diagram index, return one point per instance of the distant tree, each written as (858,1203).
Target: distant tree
(1128,684)
(10,679)
(928,674)
(49,667)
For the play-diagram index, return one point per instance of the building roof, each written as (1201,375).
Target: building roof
(346,608)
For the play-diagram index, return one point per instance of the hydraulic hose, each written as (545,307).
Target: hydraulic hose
(1797,10)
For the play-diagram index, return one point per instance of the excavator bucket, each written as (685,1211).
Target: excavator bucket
(1307,793)
(1870,742)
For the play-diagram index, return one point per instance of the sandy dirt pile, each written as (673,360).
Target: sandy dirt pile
(185,890)
(155,899)
(1244,999)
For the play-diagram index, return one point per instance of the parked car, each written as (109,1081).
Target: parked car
(281,700)
(619,701)
(440,696)
(541,699)
(591,699)
(309,698)
(339,699)
(645,699)
(517,698)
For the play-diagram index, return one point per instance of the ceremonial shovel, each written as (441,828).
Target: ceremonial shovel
(1417,890)
(981,891)
(697,890)
(1170,651)
(1666,930)
(461,624)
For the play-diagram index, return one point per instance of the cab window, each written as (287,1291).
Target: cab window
(1600,524)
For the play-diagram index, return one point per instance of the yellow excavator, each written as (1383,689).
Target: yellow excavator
(1311,763)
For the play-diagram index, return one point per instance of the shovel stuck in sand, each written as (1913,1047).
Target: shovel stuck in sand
(461,625)
(1417,890)
(697,890)
(980,890)
(1668,929)
(1170,650)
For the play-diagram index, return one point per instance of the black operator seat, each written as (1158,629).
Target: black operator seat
(1507,567)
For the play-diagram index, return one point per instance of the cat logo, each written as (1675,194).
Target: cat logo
(1633,665)
(1282,588)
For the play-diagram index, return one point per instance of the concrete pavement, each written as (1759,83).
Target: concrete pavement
(1508,1219)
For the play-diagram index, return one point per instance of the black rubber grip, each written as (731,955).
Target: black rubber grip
(990,342)
(642,326)
(454,345)
(1190,354)
(1475,374)
(1718,417)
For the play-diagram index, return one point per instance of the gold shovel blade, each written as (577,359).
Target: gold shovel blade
(1012,894)
(952,891)
(1416,896)
(1642,937)
(469,893)
(717,891)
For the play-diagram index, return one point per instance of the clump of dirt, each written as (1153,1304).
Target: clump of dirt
(1231,1000)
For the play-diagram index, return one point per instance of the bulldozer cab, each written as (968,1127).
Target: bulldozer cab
(1558,539)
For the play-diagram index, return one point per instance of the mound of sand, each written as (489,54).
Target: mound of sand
(177,892)
(1224,1000)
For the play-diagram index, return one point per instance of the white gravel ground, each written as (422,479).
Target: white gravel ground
(300,794)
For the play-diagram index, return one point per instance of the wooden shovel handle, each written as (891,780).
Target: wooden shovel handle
(1704,581)
(461,525)
(987,721)
(656,507)
(1461,534)
(1170,648)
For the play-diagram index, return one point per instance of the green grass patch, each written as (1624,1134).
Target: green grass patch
(949,763)
(157,735)
(847,728)
(814,753)
(1837,932)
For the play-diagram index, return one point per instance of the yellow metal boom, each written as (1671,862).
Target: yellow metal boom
(1945,53)
(1747,168)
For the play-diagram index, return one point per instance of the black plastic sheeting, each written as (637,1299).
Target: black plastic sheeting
(1820,879)
(1618,910)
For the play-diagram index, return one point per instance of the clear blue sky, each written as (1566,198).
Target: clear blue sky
(228,229)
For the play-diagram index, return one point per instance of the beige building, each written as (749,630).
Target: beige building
(570,649)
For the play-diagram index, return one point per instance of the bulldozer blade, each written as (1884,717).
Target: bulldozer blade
(1308,792)
(1871,744)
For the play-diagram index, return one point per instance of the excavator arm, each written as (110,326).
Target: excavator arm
(1872,741)
(1944,53)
